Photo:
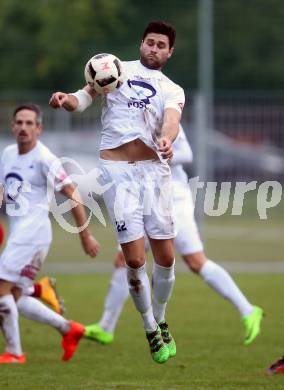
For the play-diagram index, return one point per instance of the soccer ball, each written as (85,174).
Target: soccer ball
(104,73)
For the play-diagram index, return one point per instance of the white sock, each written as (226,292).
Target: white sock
(9,320)
(33,309)
(117,294)
(28,290)
(139,288)
(163,280)
(219,279)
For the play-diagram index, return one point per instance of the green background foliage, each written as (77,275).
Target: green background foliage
(45,43)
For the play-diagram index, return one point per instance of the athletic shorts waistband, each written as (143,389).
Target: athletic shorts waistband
(122,162)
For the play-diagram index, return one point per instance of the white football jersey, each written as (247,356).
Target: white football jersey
(136,109)
(182,155)
(25,178)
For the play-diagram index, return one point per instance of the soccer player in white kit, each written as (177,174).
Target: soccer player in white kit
(44,289)
(24,172)
(190,247)
(140,120)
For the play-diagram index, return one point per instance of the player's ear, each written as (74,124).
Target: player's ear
(39,128)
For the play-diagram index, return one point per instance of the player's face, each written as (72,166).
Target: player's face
(155,51)
(26,128)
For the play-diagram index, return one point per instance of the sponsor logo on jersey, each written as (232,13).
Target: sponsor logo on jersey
(144,92)
(14,183)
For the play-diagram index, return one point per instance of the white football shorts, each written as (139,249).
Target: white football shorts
(20,263)
(138,198)
(187,240)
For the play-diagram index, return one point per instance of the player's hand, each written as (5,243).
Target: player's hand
(165,147)
(90,244)
(58,99)
(119,260)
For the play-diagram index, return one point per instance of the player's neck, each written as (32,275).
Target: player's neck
(142,62)
(26,147)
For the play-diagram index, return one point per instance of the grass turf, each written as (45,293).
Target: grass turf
(207,329)
(226,239)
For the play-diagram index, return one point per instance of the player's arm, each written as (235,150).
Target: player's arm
(89,243)
(170,129)
(77,101)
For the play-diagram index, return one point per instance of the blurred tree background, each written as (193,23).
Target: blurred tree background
(45,43)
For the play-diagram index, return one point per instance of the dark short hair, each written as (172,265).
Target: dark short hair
(160,27)
(32,107)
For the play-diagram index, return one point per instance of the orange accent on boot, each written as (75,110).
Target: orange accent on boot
(49,295)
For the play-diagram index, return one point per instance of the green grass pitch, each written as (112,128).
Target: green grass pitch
(207,330)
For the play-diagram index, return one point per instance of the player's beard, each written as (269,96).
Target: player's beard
(24,139)
(152,62)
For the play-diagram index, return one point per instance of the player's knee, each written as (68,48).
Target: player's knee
(135,262)
(5,288)
(17,293)
(168,261)
(195,261)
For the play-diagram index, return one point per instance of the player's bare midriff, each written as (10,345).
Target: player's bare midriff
(134,150)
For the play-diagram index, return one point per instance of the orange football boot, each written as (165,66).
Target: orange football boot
(71,339)
(48,294)
(8,358)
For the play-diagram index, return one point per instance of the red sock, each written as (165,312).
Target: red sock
(1,234)
(37,291)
